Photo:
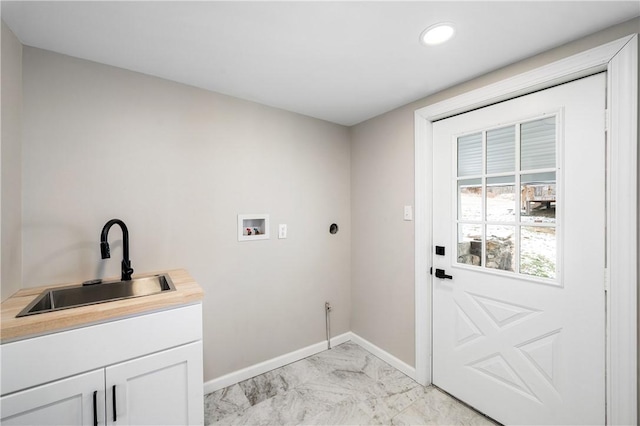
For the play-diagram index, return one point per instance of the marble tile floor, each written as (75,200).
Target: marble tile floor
(342,386)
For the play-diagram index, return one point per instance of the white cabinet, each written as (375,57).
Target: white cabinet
(144,370)
(160,389)
(65,402)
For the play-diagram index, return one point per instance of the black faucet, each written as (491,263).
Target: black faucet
(127,270)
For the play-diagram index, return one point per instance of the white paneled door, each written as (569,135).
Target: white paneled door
(519,256)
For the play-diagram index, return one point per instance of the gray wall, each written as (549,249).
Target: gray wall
(178,164)
(382,176)
(11,154)
(382,272)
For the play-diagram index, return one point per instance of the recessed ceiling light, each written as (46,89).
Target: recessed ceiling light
(437,34)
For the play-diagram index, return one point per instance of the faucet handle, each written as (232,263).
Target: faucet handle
(127,270)
(104,250)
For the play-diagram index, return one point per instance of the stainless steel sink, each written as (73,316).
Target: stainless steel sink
(81,295)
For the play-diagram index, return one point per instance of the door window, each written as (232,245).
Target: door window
(507,199)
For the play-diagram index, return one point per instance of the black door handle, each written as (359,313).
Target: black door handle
(95,408)
(113,397)
(441,274)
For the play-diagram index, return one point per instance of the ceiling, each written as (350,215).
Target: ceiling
(343,62)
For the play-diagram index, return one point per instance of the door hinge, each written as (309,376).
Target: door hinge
(607,279)
(431,271)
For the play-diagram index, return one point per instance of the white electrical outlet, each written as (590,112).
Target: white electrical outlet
(408,213)
(282,230)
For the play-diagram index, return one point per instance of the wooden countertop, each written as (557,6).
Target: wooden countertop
(12,328)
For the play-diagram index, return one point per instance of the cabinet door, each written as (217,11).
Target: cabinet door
(163,388)
(64,402)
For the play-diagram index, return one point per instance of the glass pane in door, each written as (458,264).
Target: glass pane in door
(501,199)
(538,144)
(470,155)
(470,199)
(470,244)
(500,250)
(501,150)
(538,251)
(538,197)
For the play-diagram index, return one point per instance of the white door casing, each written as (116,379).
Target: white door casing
(519,334)
(620,59)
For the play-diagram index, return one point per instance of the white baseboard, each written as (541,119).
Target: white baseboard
(271,364)
(385,356)
(282,360)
